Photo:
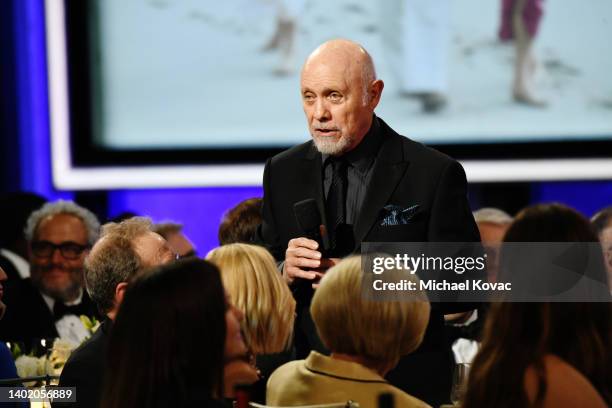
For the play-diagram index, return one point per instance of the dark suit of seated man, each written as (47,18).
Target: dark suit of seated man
(122,251)
(59,236)
(355,168)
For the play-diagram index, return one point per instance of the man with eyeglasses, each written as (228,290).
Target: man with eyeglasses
(59,235)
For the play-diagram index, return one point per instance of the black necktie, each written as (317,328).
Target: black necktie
(336,199)
(60,310)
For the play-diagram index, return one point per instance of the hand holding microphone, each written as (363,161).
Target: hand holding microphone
(305,256)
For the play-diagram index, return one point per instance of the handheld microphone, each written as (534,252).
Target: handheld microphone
(309,220)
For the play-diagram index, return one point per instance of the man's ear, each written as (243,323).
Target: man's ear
(119,293)
(376,89)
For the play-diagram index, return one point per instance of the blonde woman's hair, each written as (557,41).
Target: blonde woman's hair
(254,284)
(349,323)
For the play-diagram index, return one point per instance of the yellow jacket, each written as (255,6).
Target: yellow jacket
(322,380)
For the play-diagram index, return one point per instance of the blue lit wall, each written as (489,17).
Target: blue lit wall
(32,102)
(587,197)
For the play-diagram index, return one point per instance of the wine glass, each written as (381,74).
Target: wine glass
(460,377)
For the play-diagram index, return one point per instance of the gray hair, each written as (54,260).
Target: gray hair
(493,216)
(63,207)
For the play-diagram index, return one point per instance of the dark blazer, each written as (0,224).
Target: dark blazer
(85,369)
(405,173)
(28,318)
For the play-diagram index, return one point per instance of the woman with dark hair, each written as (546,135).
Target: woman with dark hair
(548,354)
(173,336)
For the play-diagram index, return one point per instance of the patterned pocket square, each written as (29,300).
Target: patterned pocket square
(396,215)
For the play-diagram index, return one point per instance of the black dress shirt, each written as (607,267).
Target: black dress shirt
(359,171)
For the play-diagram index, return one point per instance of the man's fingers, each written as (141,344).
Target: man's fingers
(298,273)
(305,263)
(303,242)
(302,252)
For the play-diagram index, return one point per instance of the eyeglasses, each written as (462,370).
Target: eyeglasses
(69,250)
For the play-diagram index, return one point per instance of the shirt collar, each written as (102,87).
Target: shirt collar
(320,364)
(361,157)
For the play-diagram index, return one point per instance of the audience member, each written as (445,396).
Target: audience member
(59,235)
(122,251)
(173,338)
(240,223)
(255,287)
(602,221)
(549,354)
(176,238)
(15,208)
(7,365)
(366,339)
(492,224)
(464,329)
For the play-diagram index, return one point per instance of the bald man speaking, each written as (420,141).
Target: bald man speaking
(356,169)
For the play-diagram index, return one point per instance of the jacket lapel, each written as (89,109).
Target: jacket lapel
(388,170)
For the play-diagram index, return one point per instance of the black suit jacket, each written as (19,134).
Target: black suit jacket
(85,369)
(405,173)
(28,318)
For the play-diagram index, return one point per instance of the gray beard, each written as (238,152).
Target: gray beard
(332,148)
(68,294)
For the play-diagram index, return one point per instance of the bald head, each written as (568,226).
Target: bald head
(347,54)
(339,94)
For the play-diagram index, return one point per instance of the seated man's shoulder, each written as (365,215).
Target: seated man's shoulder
(90,354)
(22,300)
(19,288)
(88,351)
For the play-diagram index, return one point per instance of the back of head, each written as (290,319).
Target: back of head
(256,288)
(240,223)
(377,330)
(167,343)
(519,335)
(113,260)
(492,215)
(550,223)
